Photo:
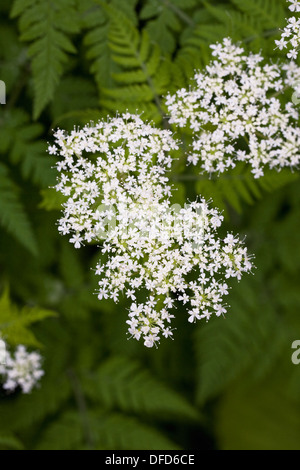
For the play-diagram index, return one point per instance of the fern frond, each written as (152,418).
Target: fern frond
(237,345)
(207,34)
(75,96)
(269,13)
(162,23)
(194,52)
(20,139)
(143,75)
(46,27)
(118,431)
(96,21)
(13,217)
(251,21)
(123,383)
(98,51)
(239,187)
(108,432)
(28,410)
(12,57)
(69,429)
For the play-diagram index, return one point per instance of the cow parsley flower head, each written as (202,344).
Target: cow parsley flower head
(21,370)
(176,258)
(234,113)
(121,162)
(290,36)
(113,175)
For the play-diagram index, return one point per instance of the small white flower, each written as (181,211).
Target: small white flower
(77,240)
(295,5)
(194,315)
(52,150)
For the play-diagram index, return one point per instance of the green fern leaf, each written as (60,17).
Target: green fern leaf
(143,74)
(205,34)
(118,431)
(70,432)
(74,96)
(98,53)
(238,186)
(105,432)
(12,57)
(20,139)
(123,383)
(97,22)
(162,23)
(227,347)
(12,214)
(27,410)
(46,26)
(270,13)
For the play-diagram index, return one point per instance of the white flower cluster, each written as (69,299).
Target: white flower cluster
(290,36)
(21,370)
(235,115)
(127,168)
(154,253)
(180,258)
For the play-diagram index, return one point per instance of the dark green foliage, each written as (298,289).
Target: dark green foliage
(46,26)
(12,213)
(124,383)
(227,384)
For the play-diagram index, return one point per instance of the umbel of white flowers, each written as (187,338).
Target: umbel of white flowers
(117,170)
(23,369)
(290,36)
(234,113)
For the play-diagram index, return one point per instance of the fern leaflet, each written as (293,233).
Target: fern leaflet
(46,27)
(12,214)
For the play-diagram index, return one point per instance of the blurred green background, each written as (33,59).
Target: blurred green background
(227,384)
